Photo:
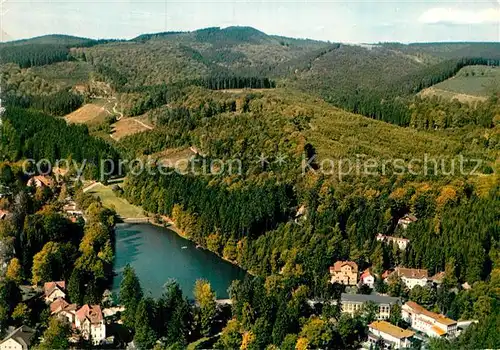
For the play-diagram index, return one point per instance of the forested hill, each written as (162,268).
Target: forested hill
(376,80)
(43,50)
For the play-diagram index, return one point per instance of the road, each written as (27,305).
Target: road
(144,125)
(117,112)
(88,188)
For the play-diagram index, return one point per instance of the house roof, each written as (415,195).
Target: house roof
(49,287)
(21,335)
(366,274)
(423,311)
(409,217)
(411,273)
(339,264)
(381,237)
(91,312)
(44,180)
(58,305)
(438,330)
(386,274)
(62,305)
(396,332)
(29,292)
(363,298)
(438,277)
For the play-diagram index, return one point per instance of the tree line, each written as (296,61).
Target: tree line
(30,55)
(236,82)
(58,104)
(440,113)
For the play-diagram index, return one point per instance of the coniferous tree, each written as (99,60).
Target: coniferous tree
(130,295)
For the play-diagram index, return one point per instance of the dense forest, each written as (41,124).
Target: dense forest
(43,50)
(439,113)
(222,83)
(34,135)
(58,104)
(34,55)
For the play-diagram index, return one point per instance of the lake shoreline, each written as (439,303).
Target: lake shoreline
(169,224)
(144,245)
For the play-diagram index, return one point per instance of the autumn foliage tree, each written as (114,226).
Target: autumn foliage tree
(206,300)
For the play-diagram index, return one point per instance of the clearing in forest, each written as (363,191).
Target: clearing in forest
(91,113)
(470,84)
(129,126)
(175,157)
(110,200)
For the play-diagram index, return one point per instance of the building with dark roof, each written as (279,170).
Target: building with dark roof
(19,339)
(353,303)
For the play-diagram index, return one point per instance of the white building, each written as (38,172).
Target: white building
(392,336)
(90,322)
(19,339)
(411,277)
(367,278)
(425,321)
(401,242)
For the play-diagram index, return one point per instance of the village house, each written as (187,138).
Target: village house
(402,243)
(18,339)
(61,308)
(54,290)
(344,272)
(392,336)
(353,303)
(367,278)
(30,293)
(437,278)
(90,322)
(112,311)
(407,220)
(40,181)
(466,286)
(71,209)
(428,322)
(411,277)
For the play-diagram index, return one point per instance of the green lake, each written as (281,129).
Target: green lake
(158,254)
